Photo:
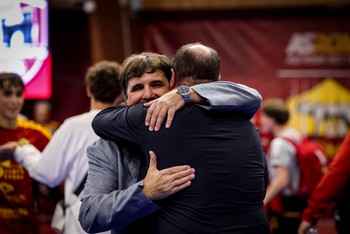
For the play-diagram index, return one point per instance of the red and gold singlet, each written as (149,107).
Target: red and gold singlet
(17,207)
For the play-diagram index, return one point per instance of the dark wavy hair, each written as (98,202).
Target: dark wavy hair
(276,109)
(147,62)
(103,80)
(8,80)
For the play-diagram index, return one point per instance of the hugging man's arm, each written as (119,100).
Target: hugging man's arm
(113,196)
(219,95)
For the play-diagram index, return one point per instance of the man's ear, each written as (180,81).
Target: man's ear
(119,99)
(173,79)
(88,91)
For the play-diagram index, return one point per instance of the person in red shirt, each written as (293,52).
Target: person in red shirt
(17,206)
(42,114)
(331,191)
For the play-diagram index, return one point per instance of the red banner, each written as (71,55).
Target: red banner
(262,53)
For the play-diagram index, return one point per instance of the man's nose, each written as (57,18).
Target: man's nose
(148,94)
(13,98)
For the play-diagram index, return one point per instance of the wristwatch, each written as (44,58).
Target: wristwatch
(184,91)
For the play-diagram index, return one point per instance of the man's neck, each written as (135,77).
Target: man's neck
(96,105)
(279,128)
(190,81)
(8,124)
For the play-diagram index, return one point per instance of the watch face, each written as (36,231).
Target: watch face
(183,89)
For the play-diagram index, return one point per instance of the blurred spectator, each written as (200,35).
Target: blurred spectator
(333,189)
(42,115)
(266,137)
(17,206)
(283,168)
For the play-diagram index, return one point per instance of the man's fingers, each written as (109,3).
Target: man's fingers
(179,175)
(164,106)
(149,114)
(187,174)
(9,147)
(175,169)
(181,187)
(154,117)
(180,183)
(153,161)
(183,179)
(148,104)
(160,118)
(303,227)
(171,114)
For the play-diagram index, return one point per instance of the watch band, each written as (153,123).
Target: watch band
(184,91)
(187,98)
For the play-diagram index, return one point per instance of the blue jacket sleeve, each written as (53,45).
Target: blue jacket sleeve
(124,124)
(229,96)
(112,197)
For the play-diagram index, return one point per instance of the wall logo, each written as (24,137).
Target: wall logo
(317,55)
(23,37)
(318,48)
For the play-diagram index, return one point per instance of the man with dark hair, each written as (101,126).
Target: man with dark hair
(102,83)
(227,193)
(145,63)
(17,205)
(283,167)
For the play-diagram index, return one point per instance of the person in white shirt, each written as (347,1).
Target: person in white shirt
(283,168)
(64,158)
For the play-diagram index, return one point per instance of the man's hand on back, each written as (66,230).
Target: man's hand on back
(166,106)
(163,183)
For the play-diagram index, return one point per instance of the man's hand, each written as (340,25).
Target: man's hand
(304,227)
(7,150)
(167,105)
(162,184)
(164,106)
